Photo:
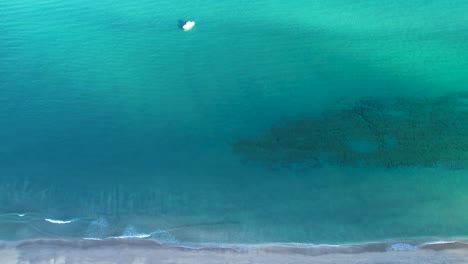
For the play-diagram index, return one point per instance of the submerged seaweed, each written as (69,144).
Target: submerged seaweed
(391,132)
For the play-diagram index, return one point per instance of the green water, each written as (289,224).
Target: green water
(115,118)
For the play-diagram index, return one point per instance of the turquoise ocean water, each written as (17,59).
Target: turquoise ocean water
(115,122)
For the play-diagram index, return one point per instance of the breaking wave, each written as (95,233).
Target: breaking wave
(100,230)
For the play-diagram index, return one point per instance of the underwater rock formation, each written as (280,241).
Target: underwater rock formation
(391,132)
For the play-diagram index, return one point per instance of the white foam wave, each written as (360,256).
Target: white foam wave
(440,242)
(131,232)
(60,222)
(133,236)
(15,214)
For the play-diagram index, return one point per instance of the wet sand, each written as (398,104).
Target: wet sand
(142,252)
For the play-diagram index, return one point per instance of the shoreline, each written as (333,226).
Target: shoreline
(142,251)
(319,248)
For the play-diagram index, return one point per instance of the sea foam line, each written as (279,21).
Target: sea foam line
(60,222)
(132,236)
(16,214)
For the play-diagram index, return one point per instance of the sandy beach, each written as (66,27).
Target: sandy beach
(142,252)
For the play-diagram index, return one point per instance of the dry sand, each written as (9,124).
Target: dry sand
(142,252)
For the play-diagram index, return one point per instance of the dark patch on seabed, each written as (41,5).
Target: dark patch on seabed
(390,132)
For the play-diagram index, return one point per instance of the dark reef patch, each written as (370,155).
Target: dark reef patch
(391,132)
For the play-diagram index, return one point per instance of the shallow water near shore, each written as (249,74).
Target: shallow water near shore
(330,122)
(137,251)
